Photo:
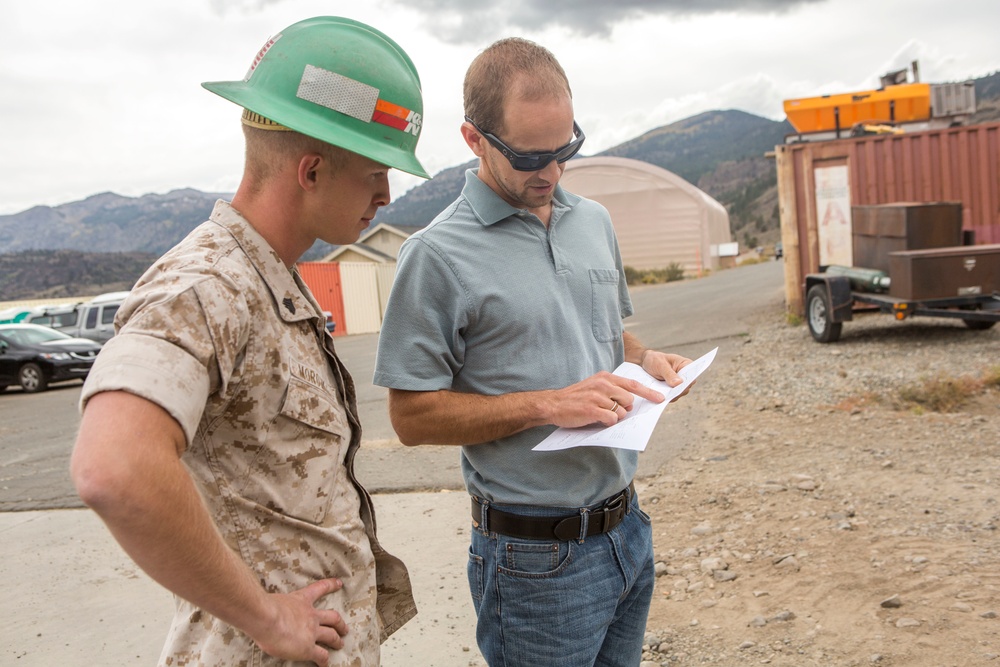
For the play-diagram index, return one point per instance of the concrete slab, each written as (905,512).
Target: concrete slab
(71,594)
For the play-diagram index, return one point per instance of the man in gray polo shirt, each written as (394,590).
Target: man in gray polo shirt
(503,323)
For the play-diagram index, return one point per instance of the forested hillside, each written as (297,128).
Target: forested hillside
(49,274)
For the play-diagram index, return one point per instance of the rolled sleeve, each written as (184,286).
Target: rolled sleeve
(154,369)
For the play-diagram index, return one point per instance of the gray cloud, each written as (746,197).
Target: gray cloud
(461,21)
(465,22)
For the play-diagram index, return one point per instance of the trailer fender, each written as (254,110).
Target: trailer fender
(839,296)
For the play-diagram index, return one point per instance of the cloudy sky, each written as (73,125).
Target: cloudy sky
(106,96)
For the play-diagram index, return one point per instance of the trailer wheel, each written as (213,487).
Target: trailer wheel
(818,315)
(979,325)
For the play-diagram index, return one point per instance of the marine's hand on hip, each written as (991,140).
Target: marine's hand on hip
(300,631)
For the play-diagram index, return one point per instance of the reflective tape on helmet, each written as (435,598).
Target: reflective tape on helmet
(337,92)
(355,99)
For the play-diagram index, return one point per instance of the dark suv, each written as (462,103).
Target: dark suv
(34,356)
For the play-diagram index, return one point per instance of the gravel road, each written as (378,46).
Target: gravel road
(824,521)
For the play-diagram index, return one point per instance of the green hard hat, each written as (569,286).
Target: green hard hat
(339,81)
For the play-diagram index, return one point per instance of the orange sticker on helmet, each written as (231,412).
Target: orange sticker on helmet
(400,118)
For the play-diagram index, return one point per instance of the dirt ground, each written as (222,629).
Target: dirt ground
(821,522)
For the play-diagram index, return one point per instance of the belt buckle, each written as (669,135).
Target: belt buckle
(613,511)
(616,503)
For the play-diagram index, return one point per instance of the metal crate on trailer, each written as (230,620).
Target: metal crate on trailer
(943,273)
(882,229)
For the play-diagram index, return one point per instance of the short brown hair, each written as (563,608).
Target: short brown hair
(510,66)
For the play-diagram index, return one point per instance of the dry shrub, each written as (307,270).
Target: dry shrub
(941,394)
(670,273)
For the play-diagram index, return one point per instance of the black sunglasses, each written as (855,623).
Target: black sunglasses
(534,161)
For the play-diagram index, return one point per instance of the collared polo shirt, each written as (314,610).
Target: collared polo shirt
(231,343)
(489,300)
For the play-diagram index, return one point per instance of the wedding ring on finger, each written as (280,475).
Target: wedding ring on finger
(614,408)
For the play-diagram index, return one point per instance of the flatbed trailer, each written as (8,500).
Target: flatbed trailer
(831,300)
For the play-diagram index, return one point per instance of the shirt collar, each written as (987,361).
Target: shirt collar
(490,208)
(286,287)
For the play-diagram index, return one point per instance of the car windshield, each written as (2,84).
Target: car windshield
(32,335)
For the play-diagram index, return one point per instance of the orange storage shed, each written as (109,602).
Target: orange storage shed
(323,279)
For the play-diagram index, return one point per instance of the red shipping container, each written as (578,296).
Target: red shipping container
(956,164)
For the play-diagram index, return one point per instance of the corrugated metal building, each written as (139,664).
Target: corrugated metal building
(819,182)
(659,217)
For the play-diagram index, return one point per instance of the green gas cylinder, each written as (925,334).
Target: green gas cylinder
(862,280)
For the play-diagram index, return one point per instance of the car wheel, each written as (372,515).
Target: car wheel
(32,379)
(818,314)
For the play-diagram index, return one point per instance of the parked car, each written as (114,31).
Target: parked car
(94,319)
(14,314)
(35,356)
(65,317)
(97,317)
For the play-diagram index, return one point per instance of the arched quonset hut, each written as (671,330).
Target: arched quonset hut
(658,216)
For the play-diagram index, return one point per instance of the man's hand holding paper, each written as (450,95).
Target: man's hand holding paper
(634,429)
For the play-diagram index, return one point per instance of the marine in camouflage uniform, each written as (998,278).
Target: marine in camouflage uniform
(243,363)
(219,426)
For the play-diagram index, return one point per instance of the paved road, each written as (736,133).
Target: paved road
(689,317)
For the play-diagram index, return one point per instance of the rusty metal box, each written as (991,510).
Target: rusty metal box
(941,273)
(880,230)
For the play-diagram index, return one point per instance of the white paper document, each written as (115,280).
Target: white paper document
(634,430)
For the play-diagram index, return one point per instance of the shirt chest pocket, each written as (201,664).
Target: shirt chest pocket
(607,317)
(299,463)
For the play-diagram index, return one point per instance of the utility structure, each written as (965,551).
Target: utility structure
(856,184)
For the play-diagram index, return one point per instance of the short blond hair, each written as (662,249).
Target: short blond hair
(266,149)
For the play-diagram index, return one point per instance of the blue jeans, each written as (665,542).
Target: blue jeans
(563,604)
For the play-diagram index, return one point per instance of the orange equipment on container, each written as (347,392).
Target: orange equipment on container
(896,107)
(904,103)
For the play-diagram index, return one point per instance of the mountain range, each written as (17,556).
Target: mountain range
(722,152)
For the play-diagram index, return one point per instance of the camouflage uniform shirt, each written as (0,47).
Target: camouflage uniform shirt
(228,341)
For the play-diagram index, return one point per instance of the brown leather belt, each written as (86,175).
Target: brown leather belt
(562,528)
